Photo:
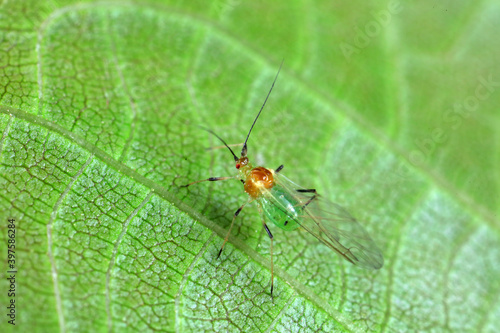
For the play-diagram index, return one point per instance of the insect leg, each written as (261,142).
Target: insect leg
(279,168)
(311,190)
(219,147)
(211,179)
(231,227)
(271,237)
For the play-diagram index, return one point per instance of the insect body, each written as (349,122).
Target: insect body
(285,211)
(289,206)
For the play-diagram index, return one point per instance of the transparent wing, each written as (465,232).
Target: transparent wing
(331,224)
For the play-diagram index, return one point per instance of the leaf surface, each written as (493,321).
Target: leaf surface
(387,109)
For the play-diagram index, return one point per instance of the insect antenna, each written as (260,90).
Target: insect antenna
(224,142)
(244,149)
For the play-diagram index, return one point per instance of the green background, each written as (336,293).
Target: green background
(389,109)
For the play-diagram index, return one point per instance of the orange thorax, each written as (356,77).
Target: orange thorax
(259,178)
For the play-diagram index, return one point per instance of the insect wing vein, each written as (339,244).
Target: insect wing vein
(332,225)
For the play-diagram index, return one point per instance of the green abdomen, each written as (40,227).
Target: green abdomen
(285,212)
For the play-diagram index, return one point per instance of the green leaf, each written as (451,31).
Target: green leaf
(387,109)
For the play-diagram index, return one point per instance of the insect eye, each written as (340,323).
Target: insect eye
(237,165)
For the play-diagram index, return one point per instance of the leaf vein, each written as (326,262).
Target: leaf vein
(50,254)
(113,257)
